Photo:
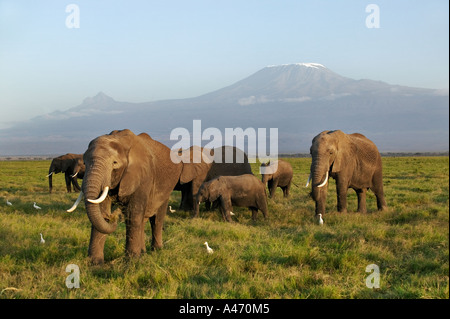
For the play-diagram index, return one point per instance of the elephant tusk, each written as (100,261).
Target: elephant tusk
(309,179)
(74,175)
(71,209)
(324,182)
(49,174)
(101,198)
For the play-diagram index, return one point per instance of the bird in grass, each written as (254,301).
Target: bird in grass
(8,203)
(231,213)
(320,219)
(171,210)
(36,206)
(42,239)
(208,249)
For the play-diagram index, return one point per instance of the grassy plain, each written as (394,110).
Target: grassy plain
(286,256)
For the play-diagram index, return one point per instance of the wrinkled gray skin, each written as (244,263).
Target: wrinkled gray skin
(140,175)
(197,170)
(353,161)
(69,164)
(282,177)
(242,191)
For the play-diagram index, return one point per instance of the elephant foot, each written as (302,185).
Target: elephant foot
(133,254)
(157,244)
(96,260)
(157,247)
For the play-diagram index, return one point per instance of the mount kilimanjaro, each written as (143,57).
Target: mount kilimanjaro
(301,100)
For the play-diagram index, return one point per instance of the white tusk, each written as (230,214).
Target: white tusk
(74,175)
(101,198)
(49,174)
(325,181)
(309,179)
(71,209)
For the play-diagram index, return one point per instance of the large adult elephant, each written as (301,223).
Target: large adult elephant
(72,166)
(221,161)
(353,161)
(137,174)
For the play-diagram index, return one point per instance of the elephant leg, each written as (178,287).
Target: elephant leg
(361,200)
(272,188)
(377,189)
(134,229)
(50,183)
(68,182)
(143,248)
(187,201)
(96,246)
(262,206)
(157,223)
(225,208)
(287,189)
(254,213)
(341,190)
(195,187)
(208,205)
(75,184)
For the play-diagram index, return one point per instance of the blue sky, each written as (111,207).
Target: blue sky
(141,51)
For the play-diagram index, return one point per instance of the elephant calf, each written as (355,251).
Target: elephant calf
(277,174)
(242,191)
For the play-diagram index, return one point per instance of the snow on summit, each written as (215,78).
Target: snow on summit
(308,65)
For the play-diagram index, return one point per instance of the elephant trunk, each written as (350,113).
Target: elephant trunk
(50,182)
(319,176)
(51,171)
(95,181)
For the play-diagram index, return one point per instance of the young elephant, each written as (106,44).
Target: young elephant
(242,191)
(277,174)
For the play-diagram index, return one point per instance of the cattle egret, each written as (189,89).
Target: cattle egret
(320,219)
(231,213)
(8,203)
(208,249)
(42,239)
(36,206)
(171,210)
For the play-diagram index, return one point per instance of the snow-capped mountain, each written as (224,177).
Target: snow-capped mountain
(300,99)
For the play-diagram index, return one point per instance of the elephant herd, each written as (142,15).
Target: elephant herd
(136,175)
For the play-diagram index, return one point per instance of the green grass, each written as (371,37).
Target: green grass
(286,256)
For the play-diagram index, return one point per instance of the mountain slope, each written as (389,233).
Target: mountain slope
(300,100)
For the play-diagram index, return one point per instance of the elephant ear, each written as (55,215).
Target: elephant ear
(336,167)
(193,171)
(194,165)
(136,170)
(66,164)
(214,190)
(345,152)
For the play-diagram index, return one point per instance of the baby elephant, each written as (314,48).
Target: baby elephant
(242,191)
(277,174)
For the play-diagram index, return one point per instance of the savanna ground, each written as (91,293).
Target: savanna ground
(287,256)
